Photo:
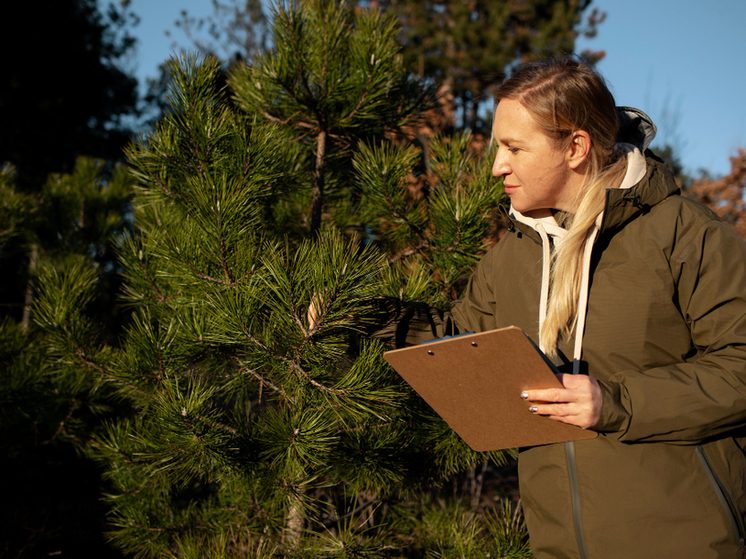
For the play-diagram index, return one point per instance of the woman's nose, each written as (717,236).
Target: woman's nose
(500,168)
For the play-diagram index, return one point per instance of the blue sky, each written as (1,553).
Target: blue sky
(681,61)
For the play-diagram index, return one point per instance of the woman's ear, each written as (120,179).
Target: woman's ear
(580,147)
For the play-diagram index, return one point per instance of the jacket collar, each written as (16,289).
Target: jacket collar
(624,204)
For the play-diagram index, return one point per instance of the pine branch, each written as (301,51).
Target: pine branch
(262,380)
(73,407)
(223,250)
(161,298)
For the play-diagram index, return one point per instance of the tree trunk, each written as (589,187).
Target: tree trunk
(28,299)
(293,526)
(477,483)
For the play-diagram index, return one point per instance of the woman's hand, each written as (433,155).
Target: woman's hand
(578,403)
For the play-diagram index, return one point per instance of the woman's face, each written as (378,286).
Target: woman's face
(536,172)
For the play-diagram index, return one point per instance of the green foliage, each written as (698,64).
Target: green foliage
(84,212)
(329,70)
(16,209)
(670,157)
(26,398)
(462,48)
(57,312)
(71,231)
(458,533)
(251,383)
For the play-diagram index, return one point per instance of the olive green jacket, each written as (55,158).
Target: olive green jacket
(665,336)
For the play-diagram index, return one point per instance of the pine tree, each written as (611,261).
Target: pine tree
(72,230)
(434,226)
(258,418)
(465,48)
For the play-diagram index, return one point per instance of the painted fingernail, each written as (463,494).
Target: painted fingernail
(524,395)
(533,409)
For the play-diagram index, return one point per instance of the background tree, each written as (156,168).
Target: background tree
(49,414)
(65,92)
(468,47)
(69,94)
(724,195)
(236,30)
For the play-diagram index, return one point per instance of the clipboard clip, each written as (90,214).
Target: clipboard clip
(449,337)
(446,338)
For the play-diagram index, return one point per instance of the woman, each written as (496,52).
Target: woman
(643,291)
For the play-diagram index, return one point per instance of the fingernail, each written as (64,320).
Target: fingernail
(533,409)
(524,395)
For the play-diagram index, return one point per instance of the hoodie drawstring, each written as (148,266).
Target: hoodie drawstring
(583,298)
(546,228)
(545,270)
(584,286)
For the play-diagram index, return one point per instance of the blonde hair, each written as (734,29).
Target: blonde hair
(565,96)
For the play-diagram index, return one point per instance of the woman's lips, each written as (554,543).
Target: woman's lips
(509,188)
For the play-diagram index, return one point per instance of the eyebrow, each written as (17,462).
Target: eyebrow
(506,140)
(503,139)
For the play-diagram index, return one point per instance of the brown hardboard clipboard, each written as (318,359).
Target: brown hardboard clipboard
(473,382)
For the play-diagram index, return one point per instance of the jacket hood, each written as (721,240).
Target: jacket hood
(635,127)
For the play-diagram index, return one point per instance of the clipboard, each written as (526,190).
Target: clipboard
(473,382)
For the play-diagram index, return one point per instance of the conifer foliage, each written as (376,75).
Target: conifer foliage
(257,416)
(468,47)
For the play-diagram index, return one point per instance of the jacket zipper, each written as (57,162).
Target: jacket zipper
(725,498)
(572,471)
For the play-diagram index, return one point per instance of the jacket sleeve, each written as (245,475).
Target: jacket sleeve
(402,323)
(705,396)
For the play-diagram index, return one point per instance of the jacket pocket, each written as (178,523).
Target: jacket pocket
(726,500)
